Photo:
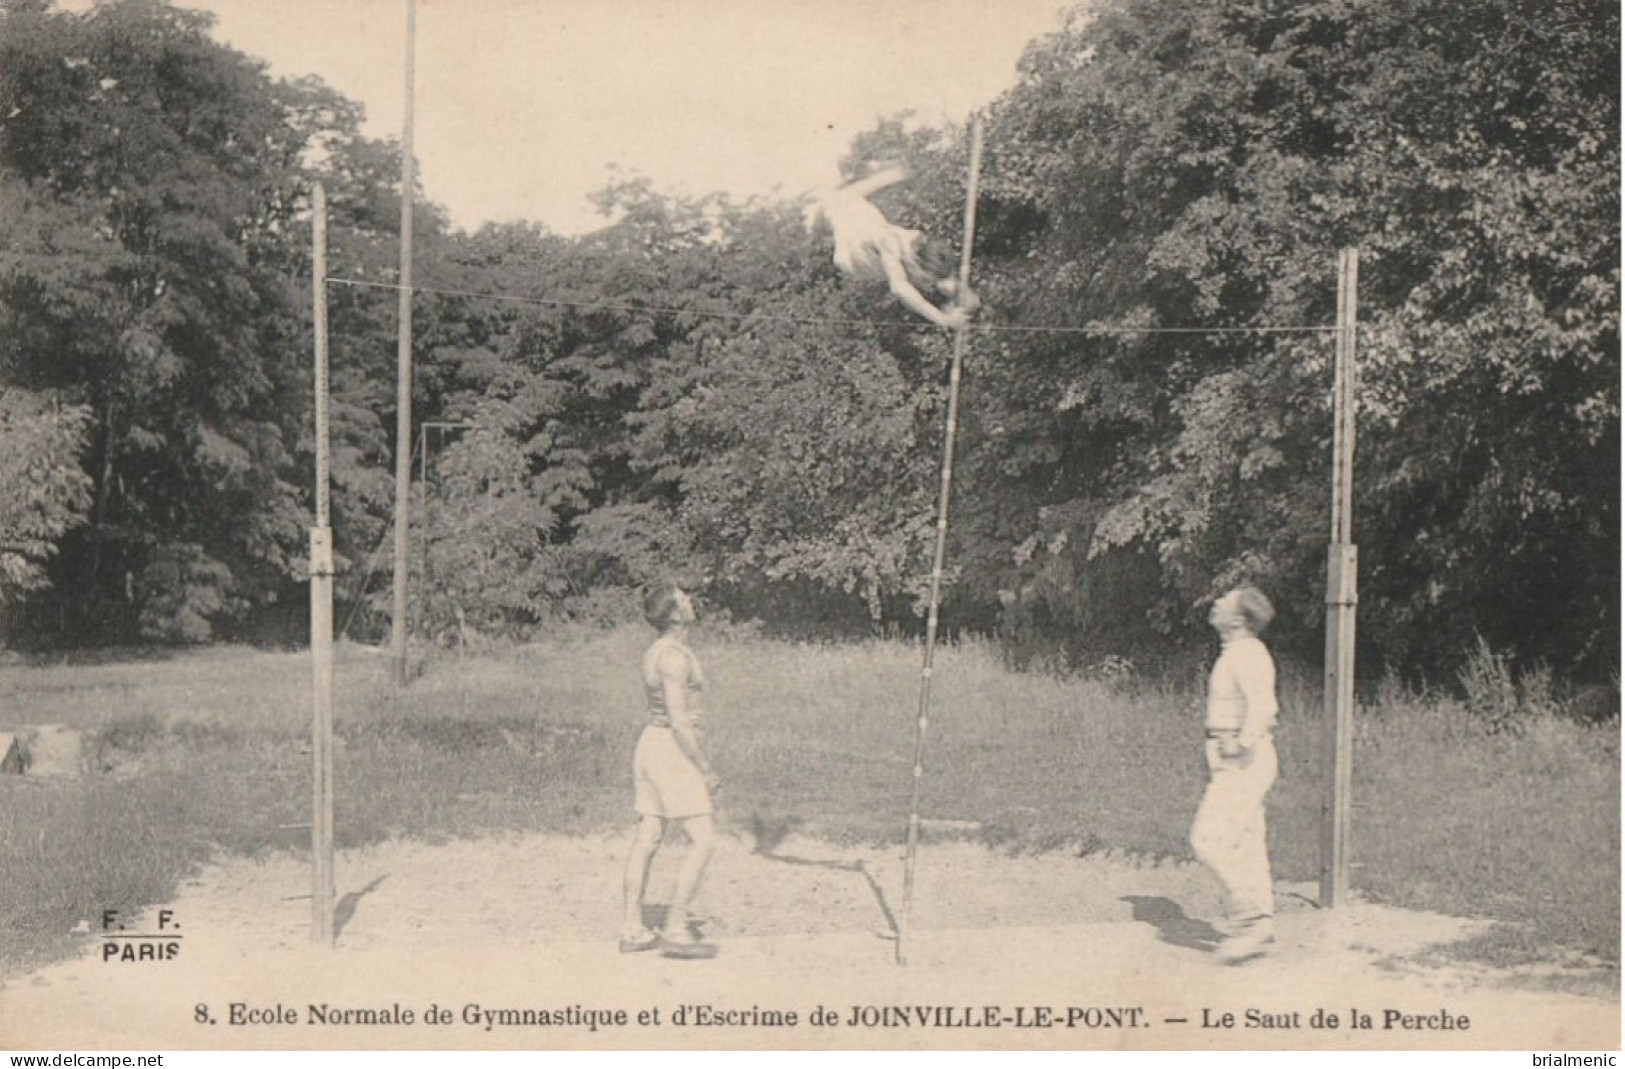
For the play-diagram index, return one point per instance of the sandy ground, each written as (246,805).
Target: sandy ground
(1002,952)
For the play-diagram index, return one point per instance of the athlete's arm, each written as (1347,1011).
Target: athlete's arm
(897,278)
(1255,675)
(874,183)
(674,667)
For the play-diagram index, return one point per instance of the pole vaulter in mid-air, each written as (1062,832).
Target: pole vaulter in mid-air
(867,246)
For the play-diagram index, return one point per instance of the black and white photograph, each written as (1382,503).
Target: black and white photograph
(809,525)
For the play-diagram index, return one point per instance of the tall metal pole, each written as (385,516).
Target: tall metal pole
(403,373)
(1342,570)
(321,610)
(952,429)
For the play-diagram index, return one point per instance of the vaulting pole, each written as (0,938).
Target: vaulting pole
(321,610)
(924,721)
(1342,597)
(403,372)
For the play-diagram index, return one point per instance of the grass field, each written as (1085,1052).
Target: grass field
(210,758)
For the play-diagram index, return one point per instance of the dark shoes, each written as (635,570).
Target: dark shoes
(644,939)
(1251,939)
(687,949)
(691,948)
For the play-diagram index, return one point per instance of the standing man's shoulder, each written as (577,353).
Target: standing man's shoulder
(1245,654)
(1253,657)
(673,661)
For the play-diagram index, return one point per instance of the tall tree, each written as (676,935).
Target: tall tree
(1199,169)
(154,274)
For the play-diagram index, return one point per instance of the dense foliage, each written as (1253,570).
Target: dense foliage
(694,387)
(1171,168)
(46,493)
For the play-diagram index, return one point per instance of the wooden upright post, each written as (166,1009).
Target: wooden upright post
(321,612)
(1342,570)
(944,490)
(403,373)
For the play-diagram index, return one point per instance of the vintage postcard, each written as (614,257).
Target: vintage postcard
(863,584)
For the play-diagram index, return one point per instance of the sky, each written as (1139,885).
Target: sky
(524,107)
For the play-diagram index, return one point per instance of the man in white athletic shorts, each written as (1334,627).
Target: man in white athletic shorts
(672,779)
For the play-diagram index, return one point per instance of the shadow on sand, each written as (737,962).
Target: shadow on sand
(346,907)
(858,867)
(1171,923)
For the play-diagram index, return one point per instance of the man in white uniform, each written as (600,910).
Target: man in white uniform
(869,247)
(1228,834)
